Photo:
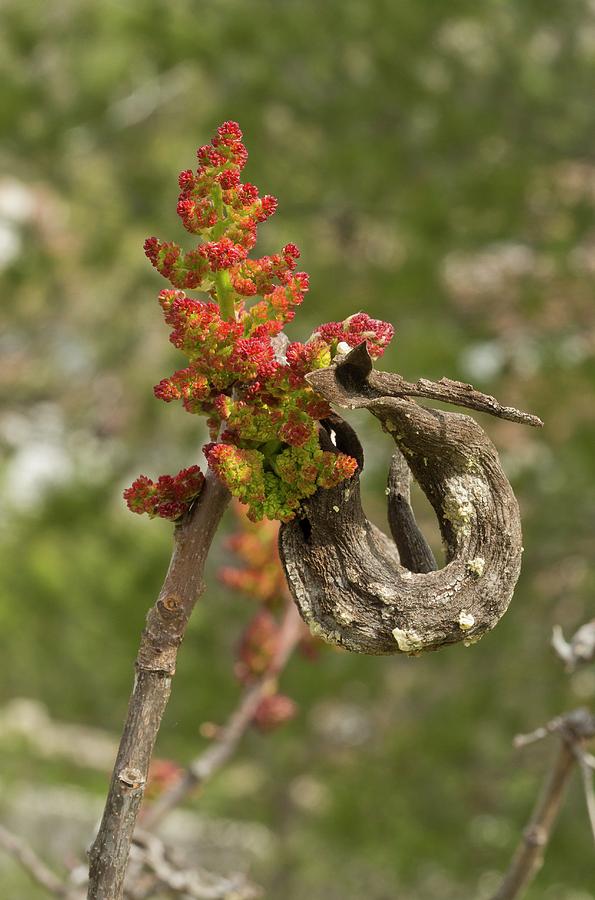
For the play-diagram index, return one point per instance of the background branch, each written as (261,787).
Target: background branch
(32,863)
(153,855)
(574,728)
(208,763)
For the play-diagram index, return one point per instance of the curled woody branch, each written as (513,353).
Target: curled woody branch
(355,587)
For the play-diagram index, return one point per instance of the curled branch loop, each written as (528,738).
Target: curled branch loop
(357,588)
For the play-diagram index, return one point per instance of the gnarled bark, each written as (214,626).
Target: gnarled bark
(357,588)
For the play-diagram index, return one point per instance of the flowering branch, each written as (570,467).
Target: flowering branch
(267,405)
(242,374)
(263,418)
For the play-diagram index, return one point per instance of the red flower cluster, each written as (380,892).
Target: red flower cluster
(242,376)
(274,710)
(256,653)
(169,497)
(355,330)
(257,647)
(214,204)
(163,774)
(258,573)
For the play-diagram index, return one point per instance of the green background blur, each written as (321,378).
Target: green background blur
(435,163)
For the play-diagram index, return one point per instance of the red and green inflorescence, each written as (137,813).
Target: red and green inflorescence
(242,373)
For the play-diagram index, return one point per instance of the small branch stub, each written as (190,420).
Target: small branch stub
(357,588)
(131,779)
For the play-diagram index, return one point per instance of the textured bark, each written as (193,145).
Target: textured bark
(346,576)
(414,551)
(155,668)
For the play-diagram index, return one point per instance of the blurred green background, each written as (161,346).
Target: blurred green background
(435,163)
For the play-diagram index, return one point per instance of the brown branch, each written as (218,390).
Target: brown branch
(528,856)
(382,384)
(448,391)
(155,667)
(586,767)
(574,728)
(414,551)
(208,763)
(32,864)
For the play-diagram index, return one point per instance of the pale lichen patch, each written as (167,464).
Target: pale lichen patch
(463,492)
(342,616)
(472,464)
(408,641)
(384,593)
(330,636)
(466,620)
(476,566)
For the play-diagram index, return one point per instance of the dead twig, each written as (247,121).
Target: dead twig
(195,883)
(574,729)
(585,762)
(382,384)
(579,650)
(357,588)
(33,864)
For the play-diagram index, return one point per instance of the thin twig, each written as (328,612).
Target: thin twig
(528,857)
(456,392)
(32,864)
(195,883)
(579,650)
(577,725)
(523,740)
(574,728)
(155,667)
(208,763)
(355,373)
(587,775)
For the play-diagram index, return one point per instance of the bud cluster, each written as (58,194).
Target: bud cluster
(169,497)
(258,574)
(242,373)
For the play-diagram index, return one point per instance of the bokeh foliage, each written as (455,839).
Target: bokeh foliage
(434,162)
